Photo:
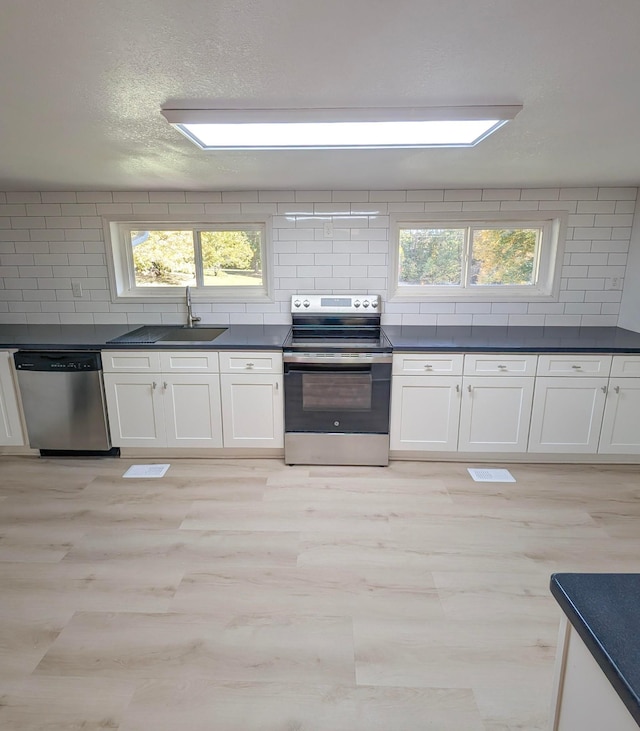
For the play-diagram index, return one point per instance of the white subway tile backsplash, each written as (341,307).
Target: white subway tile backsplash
(578,194)
(501,194)
(540,194)
(202,197)
(24,197)
(28,222)
(468,194)
(150,209)
(605,194)
(97,197)
(600,206)
(495,320)
(481,205)
(56,237)
(130,197)
(625,206)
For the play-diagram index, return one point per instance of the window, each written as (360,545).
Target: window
(476,259)
(157,260)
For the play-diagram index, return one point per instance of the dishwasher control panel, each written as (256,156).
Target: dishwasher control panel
(28,360)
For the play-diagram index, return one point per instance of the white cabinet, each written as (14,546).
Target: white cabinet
(425,401)
(568,408)
(493,403)
(160,399)
(11,433)
(496,402)
(621,422)
(252,399)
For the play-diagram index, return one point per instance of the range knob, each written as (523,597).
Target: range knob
(374,304)
(365,303)
(296,303)
(356,303)
(306,303)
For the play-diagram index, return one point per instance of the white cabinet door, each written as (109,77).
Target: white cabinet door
(495,414)
(134,405)
(425,412)
(11,433)
(621,422)
(567,414)
(192,410)
(252,410)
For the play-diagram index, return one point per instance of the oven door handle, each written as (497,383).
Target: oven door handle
(328,368)
(333,359)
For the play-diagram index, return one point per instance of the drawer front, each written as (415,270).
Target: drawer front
(189,361)
(574,365)
(251,361)
(437,364)
(507,364)
(130,361)
(625,366)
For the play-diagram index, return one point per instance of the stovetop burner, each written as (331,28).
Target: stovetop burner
(338,324)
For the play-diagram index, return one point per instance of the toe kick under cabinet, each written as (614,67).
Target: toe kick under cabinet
(557,404)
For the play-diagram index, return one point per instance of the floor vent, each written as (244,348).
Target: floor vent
(481,474)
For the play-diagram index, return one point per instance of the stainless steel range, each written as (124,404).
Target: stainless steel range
(337,382)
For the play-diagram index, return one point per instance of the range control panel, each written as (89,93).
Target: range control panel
(335,304)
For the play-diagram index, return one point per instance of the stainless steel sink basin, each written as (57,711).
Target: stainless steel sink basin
(149,334)
(191,335)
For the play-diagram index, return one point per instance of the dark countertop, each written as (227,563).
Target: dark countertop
(410,338)
(487,339)
(604,609)
(97,337)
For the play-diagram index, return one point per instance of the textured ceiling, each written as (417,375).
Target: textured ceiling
(82,83)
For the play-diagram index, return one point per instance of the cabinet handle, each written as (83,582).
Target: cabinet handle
(457,388)
(469,388)
(164,385)
(576,367)
(153,386)
(616,389)
(277,385)
(502,367)
(428,366)
(250,365)
(604,389)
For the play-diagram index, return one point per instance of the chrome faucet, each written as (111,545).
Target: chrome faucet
(191,318)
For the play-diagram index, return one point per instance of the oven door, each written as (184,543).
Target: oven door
(337,398)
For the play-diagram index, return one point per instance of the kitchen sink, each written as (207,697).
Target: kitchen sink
(191,335)
(149,334)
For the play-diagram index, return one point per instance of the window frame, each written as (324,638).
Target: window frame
(548,265)
(121,268)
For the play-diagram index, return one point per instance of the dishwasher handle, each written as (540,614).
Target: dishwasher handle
(57,361)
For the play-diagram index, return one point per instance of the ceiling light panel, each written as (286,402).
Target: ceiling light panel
(253,129)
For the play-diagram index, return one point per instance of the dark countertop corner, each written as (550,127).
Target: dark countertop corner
(604,609)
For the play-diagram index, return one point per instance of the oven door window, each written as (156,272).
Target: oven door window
(332,391)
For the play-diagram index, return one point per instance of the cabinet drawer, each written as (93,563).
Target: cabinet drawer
(130,361)
(251,361)
(438,364)
(189,361)
(574,365)
(625,366)
(496,364)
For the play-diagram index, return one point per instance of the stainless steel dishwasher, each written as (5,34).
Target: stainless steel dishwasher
(63,401)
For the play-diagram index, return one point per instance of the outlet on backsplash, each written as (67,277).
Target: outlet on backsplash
(614,283)
(76,289)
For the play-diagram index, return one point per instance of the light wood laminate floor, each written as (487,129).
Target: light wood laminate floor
(247,595)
